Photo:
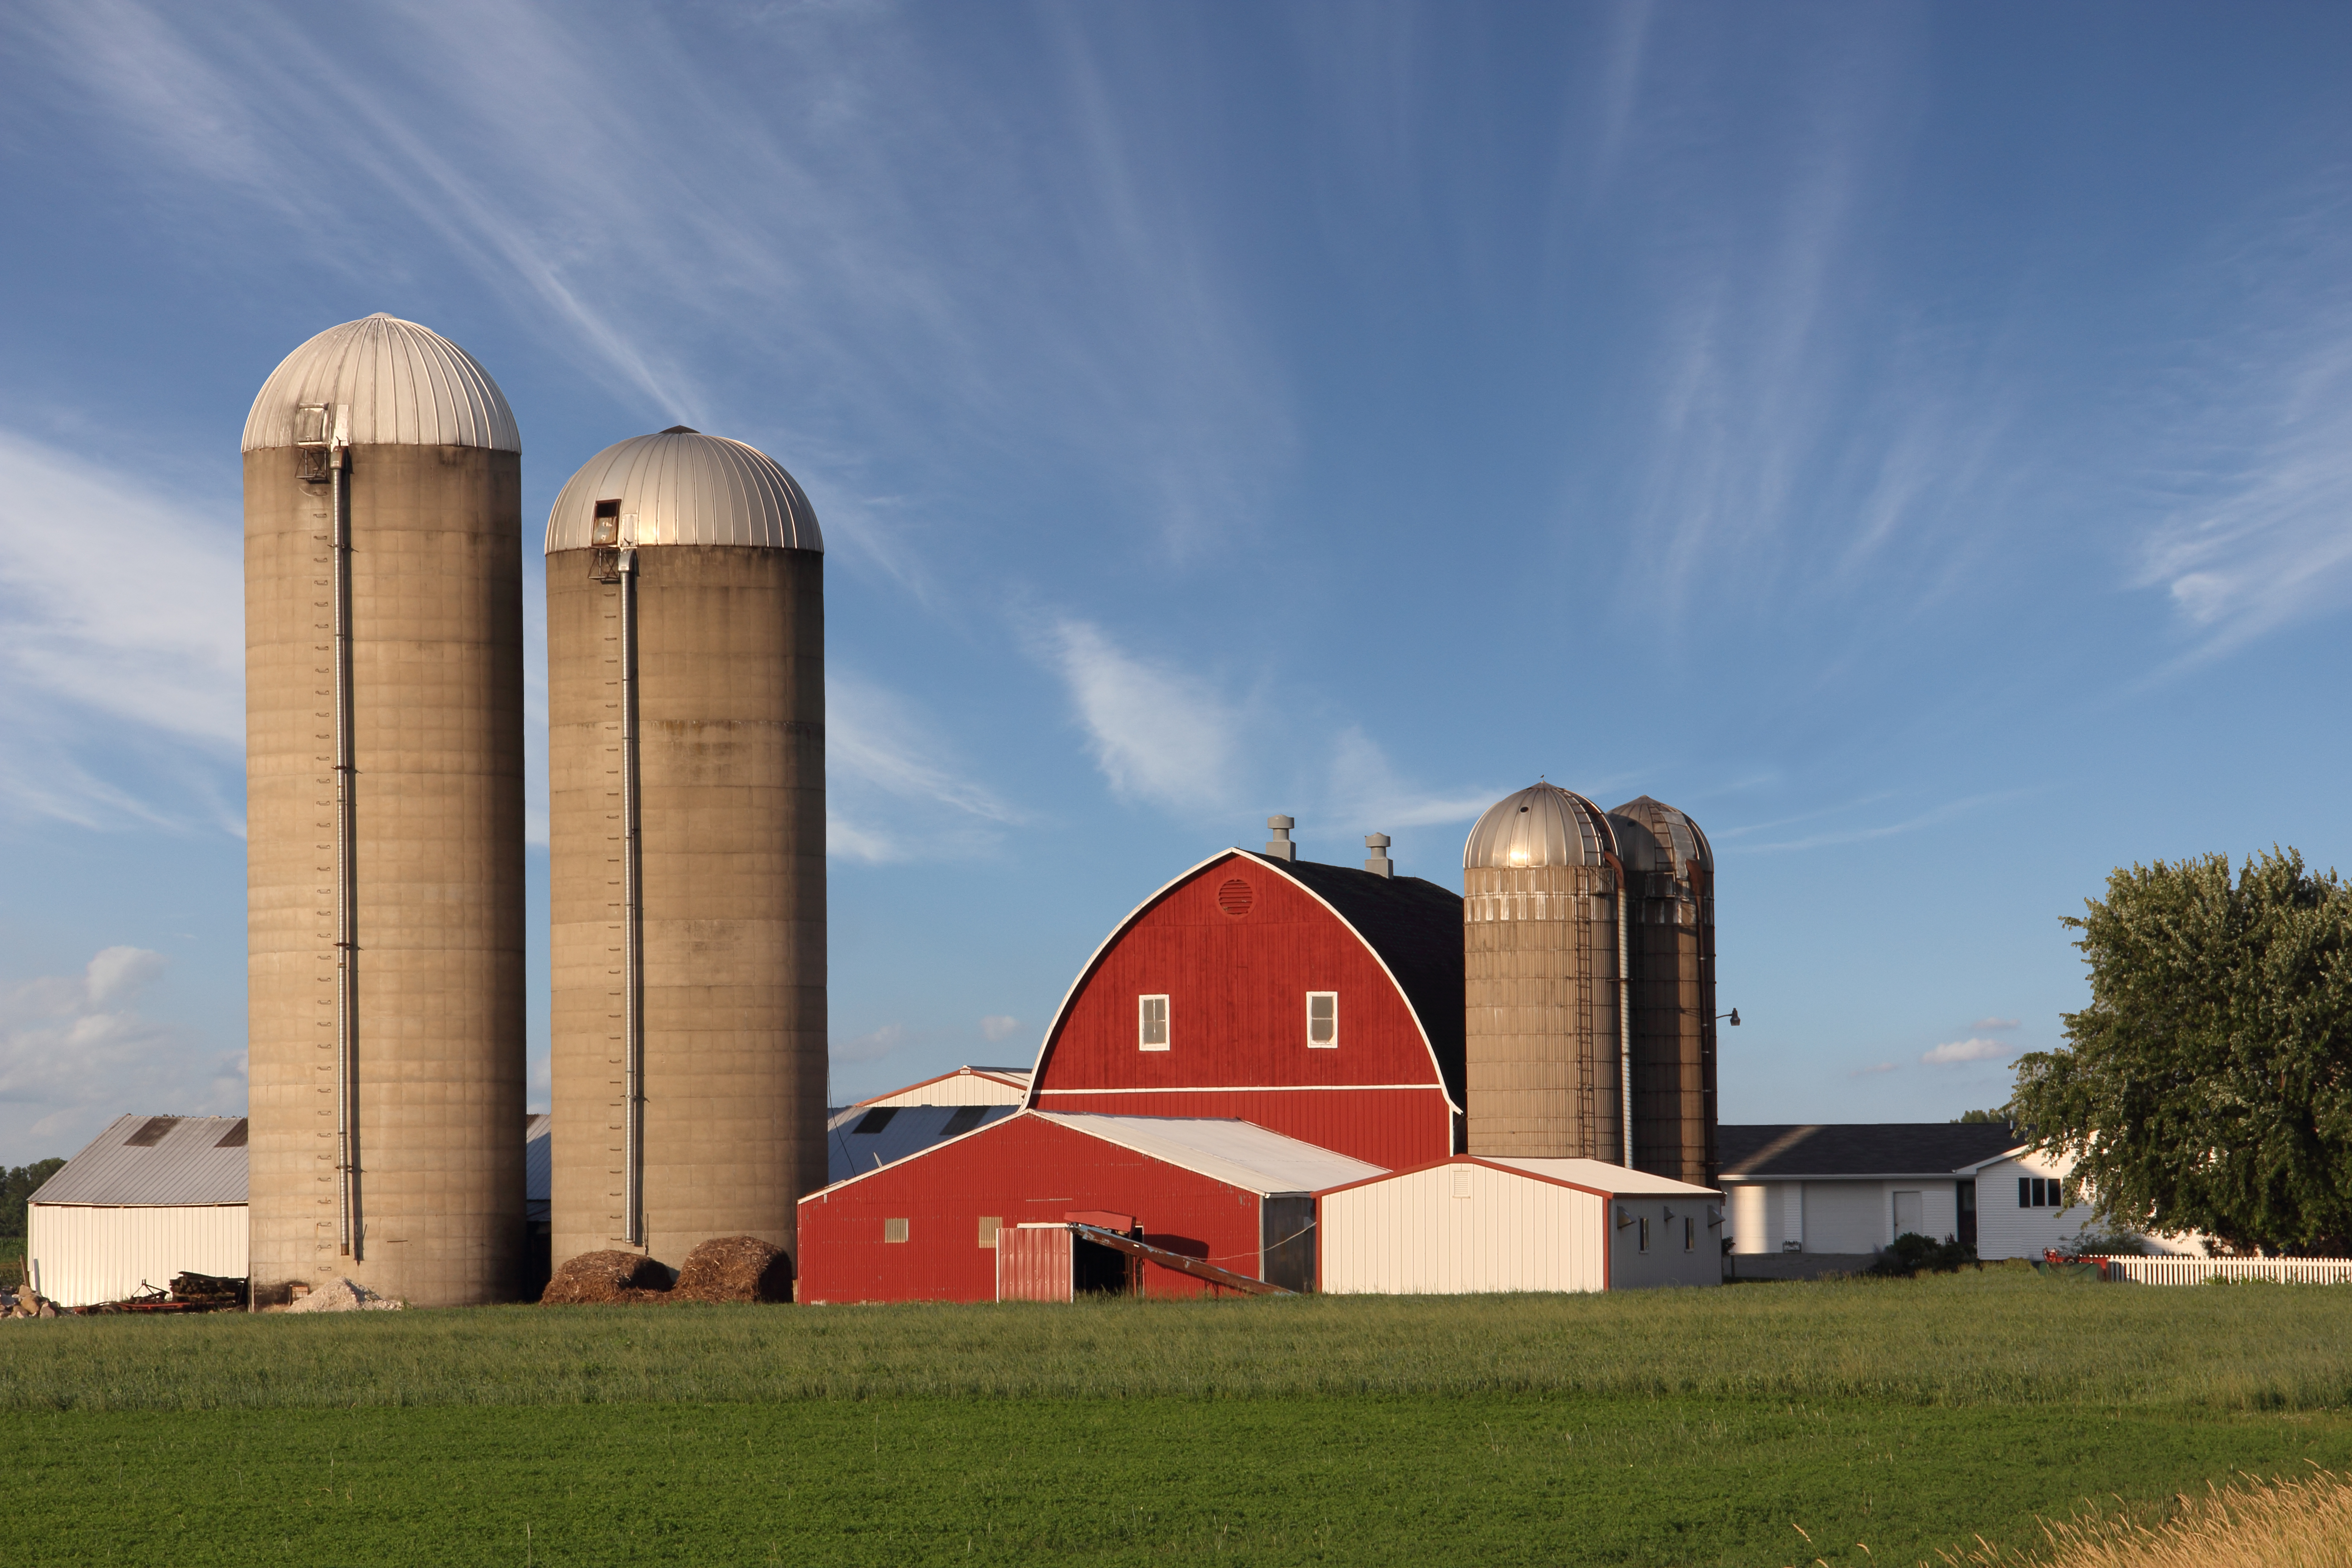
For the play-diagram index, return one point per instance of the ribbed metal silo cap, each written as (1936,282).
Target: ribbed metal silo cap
(1542,824)
(404,384)
(1676,834)
(682,487)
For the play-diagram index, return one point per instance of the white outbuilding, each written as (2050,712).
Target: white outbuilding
(1473,1224)
(152,1196)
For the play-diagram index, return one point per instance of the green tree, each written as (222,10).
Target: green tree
(18,1184)
(1975,1118)
(2208,1087)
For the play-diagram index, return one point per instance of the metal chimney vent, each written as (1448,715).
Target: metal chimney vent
(1281,848)
(1378,862)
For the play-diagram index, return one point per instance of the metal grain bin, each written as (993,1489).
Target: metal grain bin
(1671,926)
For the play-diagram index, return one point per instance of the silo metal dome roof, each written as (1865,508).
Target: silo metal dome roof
(1676,833)
(406,385)
(1543,825)
(686,488)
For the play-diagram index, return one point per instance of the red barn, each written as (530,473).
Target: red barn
(1321,1002)
(926,1228)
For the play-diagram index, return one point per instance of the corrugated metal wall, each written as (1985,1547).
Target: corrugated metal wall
(1460,1227)
(83,1255)
(1024,1168)
(1034,1264)
(1237,987)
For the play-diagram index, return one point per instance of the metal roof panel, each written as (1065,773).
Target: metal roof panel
(195,1160)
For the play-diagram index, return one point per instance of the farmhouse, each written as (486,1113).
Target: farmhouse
(149,1197)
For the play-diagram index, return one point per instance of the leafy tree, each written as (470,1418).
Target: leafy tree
(2208,1087)
(1974,1117)
(18,1184)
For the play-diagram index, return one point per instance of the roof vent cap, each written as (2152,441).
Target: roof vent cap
(1280,848)
(1378,862)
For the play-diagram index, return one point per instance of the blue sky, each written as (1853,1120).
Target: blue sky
(1915,439)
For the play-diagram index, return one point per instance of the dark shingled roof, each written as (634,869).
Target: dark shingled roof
(1861,1148)
(1416,928)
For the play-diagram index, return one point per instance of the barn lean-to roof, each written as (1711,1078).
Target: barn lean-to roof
(1412,927)
(156,1161)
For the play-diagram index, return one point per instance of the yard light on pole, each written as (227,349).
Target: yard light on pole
(1733,1016)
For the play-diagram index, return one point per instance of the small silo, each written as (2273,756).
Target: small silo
(1542,981)
(686,795)
(1670,921)
(384,771)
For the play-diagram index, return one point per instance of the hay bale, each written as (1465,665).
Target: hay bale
(735,1268)
(601,1278)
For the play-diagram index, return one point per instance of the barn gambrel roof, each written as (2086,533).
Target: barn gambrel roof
(1411,926)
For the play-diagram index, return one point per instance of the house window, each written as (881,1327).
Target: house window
(894,1230)
(1151,1023)
(1323,1019)
(990,1224)
(1645,1236)
(1690,1234)
(2041,1192)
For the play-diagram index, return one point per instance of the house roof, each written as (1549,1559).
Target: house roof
(859,1139)
(1779,1151)
(1239,1153)
(156,1161)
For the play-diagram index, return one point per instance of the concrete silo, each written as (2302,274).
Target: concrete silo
(686,771)
(384,756)
(1670,923)
(1543,979)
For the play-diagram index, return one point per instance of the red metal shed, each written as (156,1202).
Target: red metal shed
(1319,1001)
(926,1228)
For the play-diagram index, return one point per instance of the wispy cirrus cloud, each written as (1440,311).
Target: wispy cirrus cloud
(124,696)
(1159,734)
(1934,816)
(894,788)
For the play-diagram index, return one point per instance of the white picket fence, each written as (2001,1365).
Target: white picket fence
(2197,1270)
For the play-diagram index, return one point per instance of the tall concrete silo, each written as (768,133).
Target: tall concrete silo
(1670,922)
(1543,979)
(384,768)
(686,771)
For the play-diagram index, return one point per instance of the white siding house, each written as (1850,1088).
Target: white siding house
(152,1196)
(1474,1225)
(1837,1194)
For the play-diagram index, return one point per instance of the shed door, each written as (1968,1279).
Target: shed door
(1910,1213)
(1034,1264)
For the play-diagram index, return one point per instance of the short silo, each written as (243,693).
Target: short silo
(686,797)
(383,757)
(1670,919)
(1542,981)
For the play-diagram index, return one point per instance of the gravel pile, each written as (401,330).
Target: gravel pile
(601,1278)
(735,1268)
(343,1296)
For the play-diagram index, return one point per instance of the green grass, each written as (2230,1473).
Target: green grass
(1670,1428)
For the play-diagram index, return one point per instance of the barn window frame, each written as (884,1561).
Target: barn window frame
(1332,1042)
(1152,1018)
(894,1231)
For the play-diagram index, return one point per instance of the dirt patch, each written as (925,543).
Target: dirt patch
(602,1279)
(735,1268)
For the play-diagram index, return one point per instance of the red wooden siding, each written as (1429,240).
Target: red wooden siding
(1022,1168)
(1237,986)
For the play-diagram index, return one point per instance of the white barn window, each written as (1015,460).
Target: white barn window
(1323,1020)
(1151,1023)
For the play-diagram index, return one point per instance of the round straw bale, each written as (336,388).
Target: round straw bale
(596,1279)
(735,1268)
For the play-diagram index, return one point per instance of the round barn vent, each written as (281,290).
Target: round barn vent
(1235,897)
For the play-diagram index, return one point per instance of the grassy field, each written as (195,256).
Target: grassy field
(1883,1420)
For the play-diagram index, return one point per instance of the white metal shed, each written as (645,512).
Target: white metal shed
(1472,1224)
(152,1196)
